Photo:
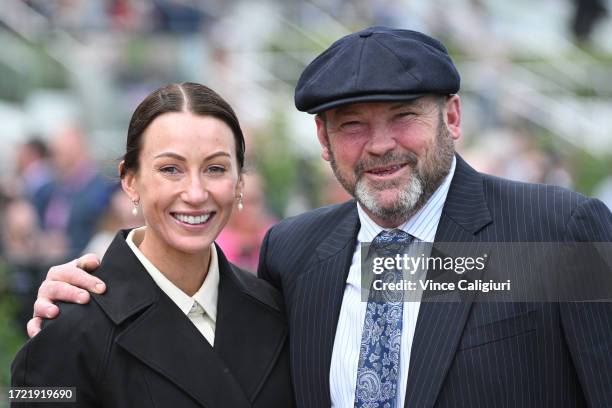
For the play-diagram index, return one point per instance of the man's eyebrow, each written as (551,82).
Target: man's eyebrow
(402,105)
(346,110)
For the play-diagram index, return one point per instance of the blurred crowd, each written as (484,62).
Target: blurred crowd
(187,16)
(51,208)
(534,110)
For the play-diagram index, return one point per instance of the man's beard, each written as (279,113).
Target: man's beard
(427,175)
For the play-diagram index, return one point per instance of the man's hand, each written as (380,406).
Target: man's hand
(67,283)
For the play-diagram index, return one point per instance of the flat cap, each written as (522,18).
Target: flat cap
(376,64)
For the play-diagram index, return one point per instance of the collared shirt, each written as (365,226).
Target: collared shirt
(201,308)
(345,356)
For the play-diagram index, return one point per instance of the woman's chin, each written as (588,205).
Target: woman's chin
(190,245)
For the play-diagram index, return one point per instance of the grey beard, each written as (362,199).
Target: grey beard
(423,182)
(401,209)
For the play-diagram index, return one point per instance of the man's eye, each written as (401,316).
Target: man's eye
(404,115)
(351,126)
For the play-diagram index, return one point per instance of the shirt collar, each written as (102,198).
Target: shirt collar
(206,296)
(422,225)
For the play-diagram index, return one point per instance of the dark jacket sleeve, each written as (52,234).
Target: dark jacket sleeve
(263,270)
(587,326)
(68,352)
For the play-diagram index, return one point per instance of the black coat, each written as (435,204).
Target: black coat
(133,347)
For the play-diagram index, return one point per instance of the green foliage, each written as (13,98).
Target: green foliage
(276,161)
(11,338)
(590,171)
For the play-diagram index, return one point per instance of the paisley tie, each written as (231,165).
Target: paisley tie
(378,368)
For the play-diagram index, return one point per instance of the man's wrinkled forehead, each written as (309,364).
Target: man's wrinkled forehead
(379,107)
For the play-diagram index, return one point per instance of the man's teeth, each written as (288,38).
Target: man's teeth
(387,170)
(190,219)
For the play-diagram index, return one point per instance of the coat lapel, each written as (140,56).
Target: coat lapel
(164,339)
(440,324)
(158,334)
(251,330)
(319,295)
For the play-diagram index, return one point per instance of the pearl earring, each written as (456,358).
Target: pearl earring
(135,209)
(240,205)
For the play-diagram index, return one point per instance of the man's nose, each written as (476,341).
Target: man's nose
(381,141)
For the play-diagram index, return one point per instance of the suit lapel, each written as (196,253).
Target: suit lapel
(251,330)
(440,324)
(319,295)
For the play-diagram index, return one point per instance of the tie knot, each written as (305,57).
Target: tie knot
(390,238)
(196,310)
(390,243)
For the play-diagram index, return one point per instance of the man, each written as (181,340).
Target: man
(387,118)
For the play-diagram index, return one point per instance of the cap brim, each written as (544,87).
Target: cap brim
(363,98)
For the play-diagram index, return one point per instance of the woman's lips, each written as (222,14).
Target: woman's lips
(190,221)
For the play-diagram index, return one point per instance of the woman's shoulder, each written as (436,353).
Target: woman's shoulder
(69,350)
(258,287)
(77,324)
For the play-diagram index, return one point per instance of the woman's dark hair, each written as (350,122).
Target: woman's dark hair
(186,97)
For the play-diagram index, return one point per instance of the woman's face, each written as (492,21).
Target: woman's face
(187,182)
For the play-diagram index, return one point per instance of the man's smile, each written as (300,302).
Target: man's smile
(385,172)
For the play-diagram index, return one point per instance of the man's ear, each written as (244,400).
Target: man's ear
(452,116)
(323,138)
(128,182)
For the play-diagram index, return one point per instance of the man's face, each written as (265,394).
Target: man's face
(391,156)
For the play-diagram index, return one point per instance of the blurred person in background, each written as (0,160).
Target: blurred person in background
(35,175)
(21,234)
(23,250)
(80,194)
(588,14)
(118,215)
(241,238)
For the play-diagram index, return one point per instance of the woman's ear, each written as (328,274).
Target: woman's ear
(239,192)
(128,182)
(240,185)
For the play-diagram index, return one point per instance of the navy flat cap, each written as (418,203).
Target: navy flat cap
(376,64)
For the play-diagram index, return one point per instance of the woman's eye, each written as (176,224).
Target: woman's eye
(169,170)
(216,169)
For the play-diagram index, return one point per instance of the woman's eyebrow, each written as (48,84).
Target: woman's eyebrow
(170,154)
(181,158)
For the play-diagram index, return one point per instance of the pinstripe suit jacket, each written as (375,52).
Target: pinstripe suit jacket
(465,354)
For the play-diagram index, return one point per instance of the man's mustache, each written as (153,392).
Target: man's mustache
(388,159)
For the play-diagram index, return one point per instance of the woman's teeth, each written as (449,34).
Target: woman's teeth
(190,219)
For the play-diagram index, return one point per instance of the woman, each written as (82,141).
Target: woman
(179,326)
